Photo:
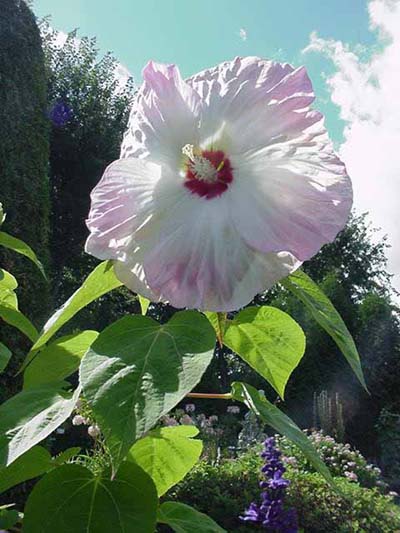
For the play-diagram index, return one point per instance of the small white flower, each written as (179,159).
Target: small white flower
(233,409)
(78,420)
(190,408)
(213,418)
(186,420)
(94,431)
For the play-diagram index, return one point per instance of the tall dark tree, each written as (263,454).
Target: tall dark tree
(89,109)
(24,149)
(24,152)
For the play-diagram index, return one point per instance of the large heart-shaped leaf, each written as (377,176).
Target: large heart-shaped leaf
(184,519)
(33,463)
(323,311)
(71,499)
(5,355)
(167,454)
(137,370)
(269,340)
(99,282)
(20,247)
(30,416)
(58,359)
(274,417)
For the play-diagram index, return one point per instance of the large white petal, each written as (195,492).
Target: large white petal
(255,102)
(164,116)
(119,205)
(294,196)
(195,258)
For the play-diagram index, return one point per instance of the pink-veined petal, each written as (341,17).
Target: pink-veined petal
(164,116)
(294,197)
(119,205)
(195,258)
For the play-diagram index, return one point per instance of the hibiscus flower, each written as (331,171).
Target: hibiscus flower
(227,182)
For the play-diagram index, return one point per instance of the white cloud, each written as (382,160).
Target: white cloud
(243,34)
(368,95)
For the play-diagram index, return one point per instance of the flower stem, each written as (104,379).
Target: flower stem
(227,396)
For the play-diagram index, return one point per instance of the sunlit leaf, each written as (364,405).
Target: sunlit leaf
(30,416)
(20,247)
(137,370)
(99,282)
(269,340)
(144,304)
(167,454)
(58,359)
(323,311)
(15,318)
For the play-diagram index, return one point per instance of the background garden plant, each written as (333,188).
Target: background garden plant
(115,370)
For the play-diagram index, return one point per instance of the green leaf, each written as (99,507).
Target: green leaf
(137,370)
(272,416)
(30,416)
(8,518)
(66,456)
(70,499)
(167,455)
(22,248)
(323,311)
(184,519)
(269,340)
(15,318)
(144,304)
(99,282)
(31,464)
(219,322)
(7,281)
(5,356)
(58,359)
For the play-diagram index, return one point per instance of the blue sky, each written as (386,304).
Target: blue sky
(354,66)
(199,34)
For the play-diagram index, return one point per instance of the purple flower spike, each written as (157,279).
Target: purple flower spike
(271,514)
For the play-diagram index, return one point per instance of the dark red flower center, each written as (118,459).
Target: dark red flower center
(208,174)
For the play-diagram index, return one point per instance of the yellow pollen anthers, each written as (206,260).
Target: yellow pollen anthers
(201,167)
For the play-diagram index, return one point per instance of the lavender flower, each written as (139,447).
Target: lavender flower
(271,514)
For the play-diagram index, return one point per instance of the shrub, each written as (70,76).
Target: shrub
(224,491)
(341,460)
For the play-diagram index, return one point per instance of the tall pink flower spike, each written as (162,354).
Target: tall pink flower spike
(227,181)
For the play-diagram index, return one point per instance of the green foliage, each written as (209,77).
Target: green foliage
(80,150)
(30,416)
(388,431)
(10,242)
(99,282)
(76,501)
(167,455)
(224,491)
(8,517)
(275,418)
(341,459)
(360,510)
(184,519)
(122,378)
(24,151)
(5,355)
(58,359)
(322,310)
(269,340)
(31,464)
